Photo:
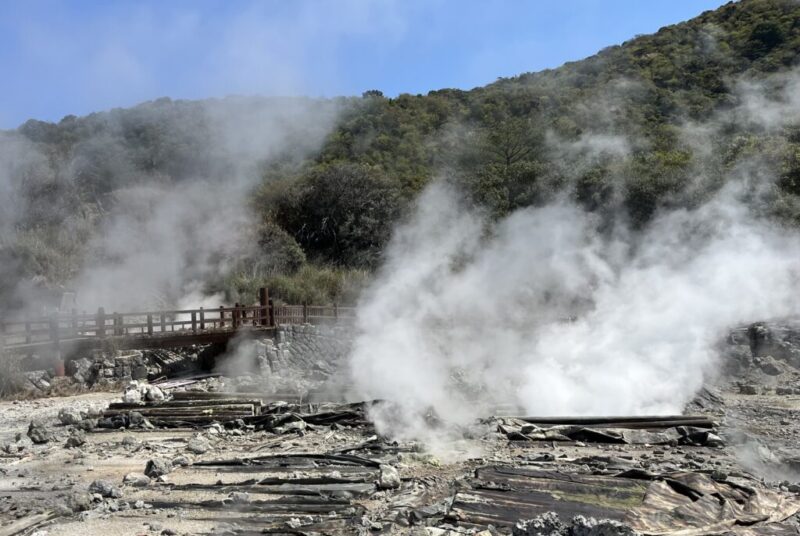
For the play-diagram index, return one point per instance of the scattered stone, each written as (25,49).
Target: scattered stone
(104,488)
(769,366)
(583,526)
(238,497)
(137,480)
(156,468)
(180,461)
(719,476)
(153,394)
(79,502)
(389,477)
(132,396)
(76,439)
(39,433)
(69,416)
(198,445)
(168,532)
(542,525)
(549,524)
(748,389)
(713,440)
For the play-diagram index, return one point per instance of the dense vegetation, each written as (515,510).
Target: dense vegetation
(608,131)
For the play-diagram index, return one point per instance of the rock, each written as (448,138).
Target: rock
(76,439)
(180,461)
(156,468)
(794,488)
(153,394)
(583,526)
(769,366)
(168,532)
(198,445)
(389,477)
(239,497)
(748,389)
(713,440)
(104,488)
(69,416)
(137,480)
(294,426)
(719,476)
(546,524)
(39,433)
(79,502)
(132,396)
(87,425)
(135,419)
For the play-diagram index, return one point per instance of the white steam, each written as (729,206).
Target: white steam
(465,316)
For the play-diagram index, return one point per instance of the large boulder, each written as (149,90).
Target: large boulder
(69,416)
(157,467)
(39,433)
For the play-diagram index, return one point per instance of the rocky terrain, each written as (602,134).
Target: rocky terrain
(75,465)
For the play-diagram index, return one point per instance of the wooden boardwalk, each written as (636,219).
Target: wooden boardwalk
(67,334)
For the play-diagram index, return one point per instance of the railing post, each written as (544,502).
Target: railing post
(150,324)
(194,322)
(163,321)
(271,322)
(202,320)
(221,316)
(56,340)
(100,323)
(236,316)
(263,302)
(305,314)
(117,323)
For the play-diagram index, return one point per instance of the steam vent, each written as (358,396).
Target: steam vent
(400,267)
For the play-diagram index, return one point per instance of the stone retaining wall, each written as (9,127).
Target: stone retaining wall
(316,350)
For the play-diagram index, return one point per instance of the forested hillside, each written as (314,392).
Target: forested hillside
(635,128)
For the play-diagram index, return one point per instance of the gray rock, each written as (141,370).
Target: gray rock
(69,416)
(589,526)
(79,502)
(180,461)
(39,433)
(389,477)
(546,524)
(748,389)
(239,497)
(156,468)
(769,366)
(713,440)
(132,396)
(153,394)
(76,439)
(198,445)
(137,480)
(104,488)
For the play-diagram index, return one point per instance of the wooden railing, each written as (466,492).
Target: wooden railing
(61,327)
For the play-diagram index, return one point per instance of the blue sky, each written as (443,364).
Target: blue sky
(76,57)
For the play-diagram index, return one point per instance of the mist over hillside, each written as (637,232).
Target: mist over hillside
(184,200)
